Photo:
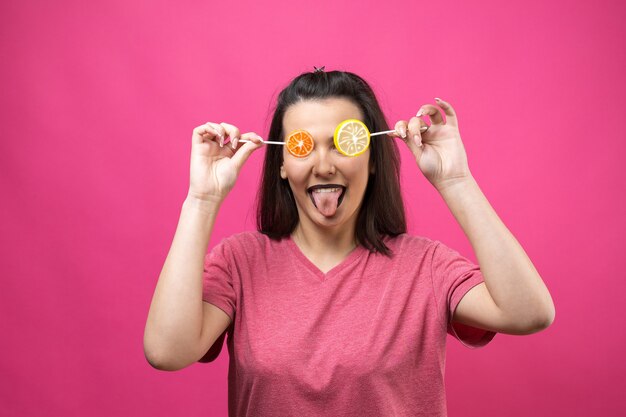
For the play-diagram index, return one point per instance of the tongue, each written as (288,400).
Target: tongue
(327,202)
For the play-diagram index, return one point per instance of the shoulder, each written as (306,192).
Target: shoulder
(406,243)
(251,242)
(249,251)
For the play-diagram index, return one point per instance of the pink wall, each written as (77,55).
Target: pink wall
(97,107)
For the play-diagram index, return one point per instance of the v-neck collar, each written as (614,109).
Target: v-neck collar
(352,257)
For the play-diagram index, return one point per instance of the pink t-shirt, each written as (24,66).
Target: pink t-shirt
(367,338)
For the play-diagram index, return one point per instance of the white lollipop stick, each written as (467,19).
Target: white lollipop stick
(382,133)
(422,129)
(270,142)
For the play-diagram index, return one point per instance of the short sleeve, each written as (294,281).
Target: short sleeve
(217,279)
(453,276)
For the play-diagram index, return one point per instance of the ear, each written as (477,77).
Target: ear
(283,173)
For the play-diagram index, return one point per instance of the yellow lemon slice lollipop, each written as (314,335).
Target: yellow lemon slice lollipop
(352,137)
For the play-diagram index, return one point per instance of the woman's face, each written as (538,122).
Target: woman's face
(328,186)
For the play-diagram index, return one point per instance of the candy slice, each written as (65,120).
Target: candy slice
(299,143)
(352,137)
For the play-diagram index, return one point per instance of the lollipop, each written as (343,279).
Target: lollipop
(351,138)
(299,143)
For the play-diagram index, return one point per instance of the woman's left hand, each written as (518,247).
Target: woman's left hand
(439,151)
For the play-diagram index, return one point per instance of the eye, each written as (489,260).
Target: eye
(337,151)
(332,147)
(352,137)
(300,143)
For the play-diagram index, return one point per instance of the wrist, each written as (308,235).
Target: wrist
(206,204)
(454,185)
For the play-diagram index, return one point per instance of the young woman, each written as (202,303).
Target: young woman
(331,308)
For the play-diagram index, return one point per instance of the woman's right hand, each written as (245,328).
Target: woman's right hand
(214,168)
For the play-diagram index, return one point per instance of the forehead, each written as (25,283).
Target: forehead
(320,116)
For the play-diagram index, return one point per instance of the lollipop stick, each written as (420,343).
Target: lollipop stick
(269,142)
(422,130)
(382,133)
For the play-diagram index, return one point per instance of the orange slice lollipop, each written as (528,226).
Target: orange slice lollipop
(299,143)
(352,137)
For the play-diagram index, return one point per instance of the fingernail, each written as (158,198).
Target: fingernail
(221,141)
(232,143)
(419,113)
(437,99)
(402,130)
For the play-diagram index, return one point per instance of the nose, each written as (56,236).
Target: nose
(323,164)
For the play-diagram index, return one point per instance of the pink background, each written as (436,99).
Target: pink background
(97,107)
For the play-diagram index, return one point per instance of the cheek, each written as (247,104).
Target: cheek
(357,171)
(294,171)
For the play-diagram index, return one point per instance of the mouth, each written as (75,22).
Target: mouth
(327,188)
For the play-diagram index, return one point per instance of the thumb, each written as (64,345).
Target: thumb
(414,138)
(416,147)
(243,152)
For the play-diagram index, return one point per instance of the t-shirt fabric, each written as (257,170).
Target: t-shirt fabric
(367,338)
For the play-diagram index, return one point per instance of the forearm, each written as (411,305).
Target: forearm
(174,321)
(512,280)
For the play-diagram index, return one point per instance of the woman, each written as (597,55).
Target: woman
(331,308)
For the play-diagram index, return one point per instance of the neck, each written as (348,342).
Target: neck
(324,241)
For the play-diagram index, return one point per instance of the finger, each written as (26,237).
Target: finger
(416,126)
(448,110)
(400,129)
(243,153)
(432,112)
(232,132)
(201,132)
(221,132)
(250,136)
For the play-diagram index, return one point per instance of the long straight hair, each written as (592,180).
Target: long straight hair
(382,211)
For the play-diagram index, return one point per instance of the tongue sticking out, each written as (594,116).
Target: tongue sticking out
(326,201)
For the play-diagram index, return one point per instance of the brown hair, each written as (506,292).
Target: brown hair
(382,211)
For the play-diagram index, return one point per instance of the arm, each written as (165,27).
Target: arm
(513,299)
(180,327)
